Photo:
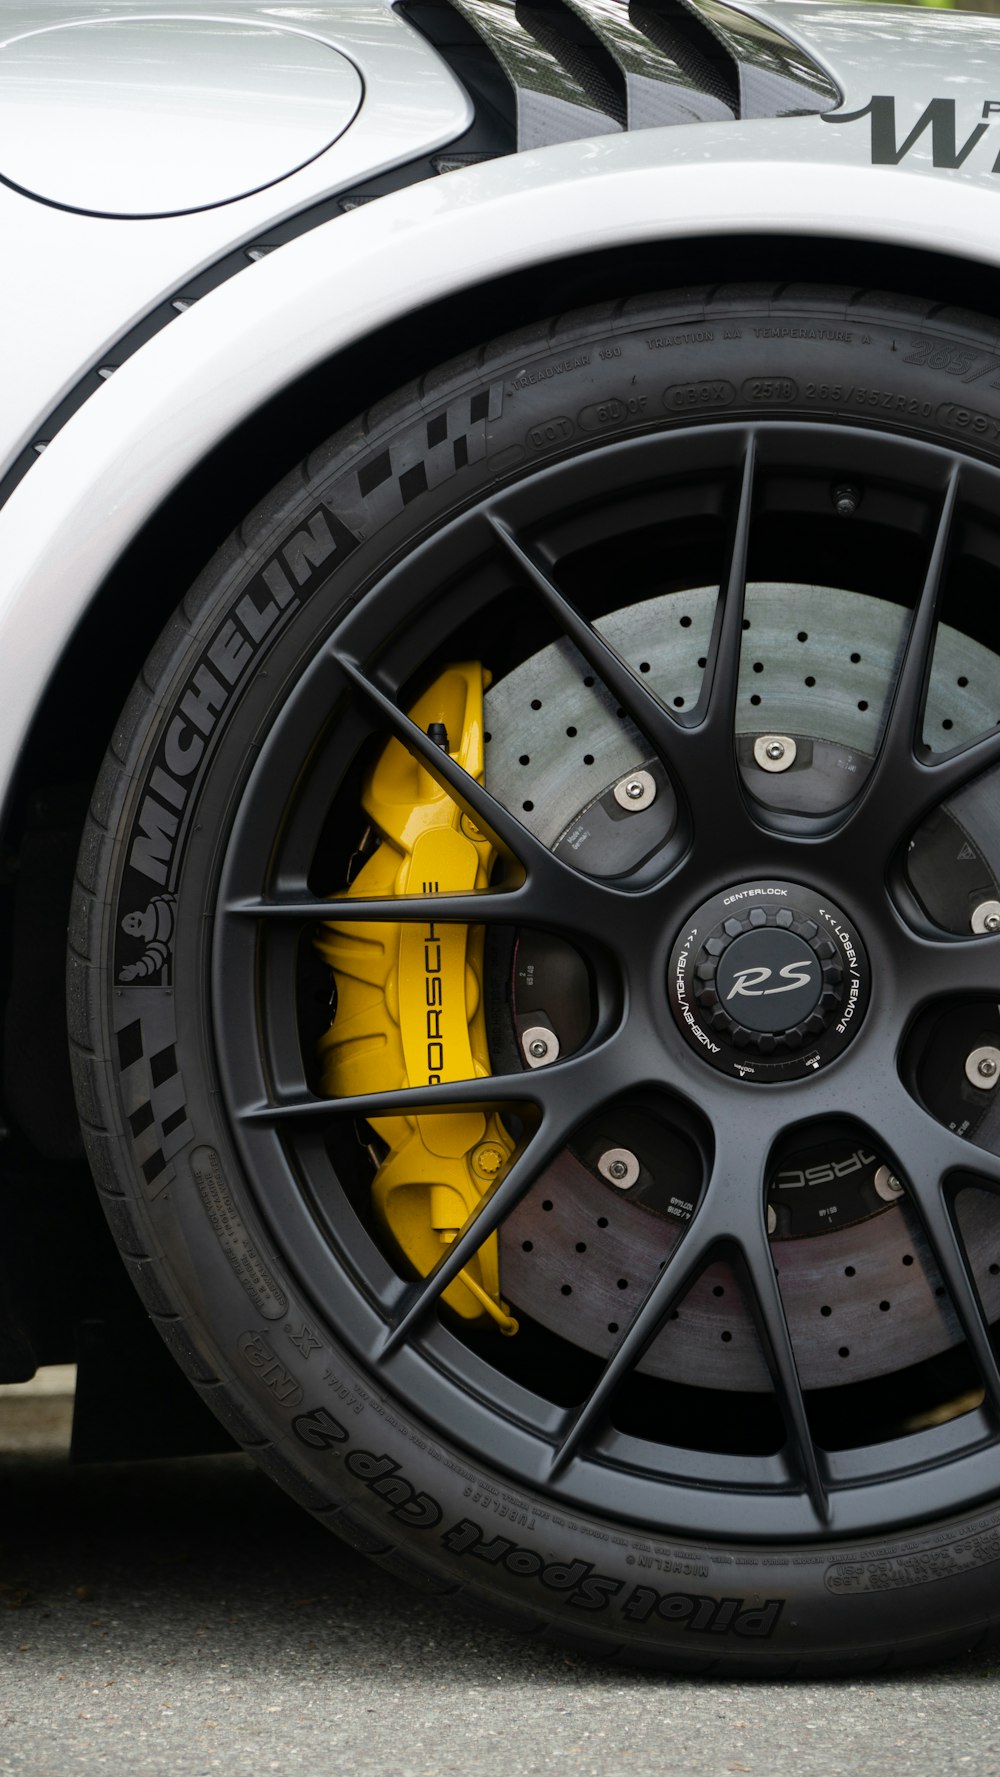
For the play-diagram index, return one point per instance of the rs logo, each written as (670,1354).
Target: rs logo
(749,981)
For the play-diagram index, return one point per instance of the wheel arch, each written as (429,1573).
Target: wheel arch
(328,325)
(115,629)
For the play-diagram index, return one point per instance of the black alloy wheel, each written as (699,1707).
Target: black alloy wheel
(734,953)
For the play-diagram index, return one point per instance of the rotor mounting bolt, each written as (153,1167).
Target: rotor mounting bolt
(540,1046)
(846,498)
(888,1186)
(636,790)
(986,917)
(620,1167)
(774,752)
(982,1067)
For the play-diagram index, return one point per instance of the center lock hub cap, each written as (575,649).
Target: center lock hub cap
(769,981)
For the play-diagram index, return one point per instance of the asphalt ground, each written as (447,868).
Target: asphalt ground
(184,1618)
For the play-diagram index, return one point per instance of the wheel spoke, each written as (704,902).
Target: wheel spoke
(772,1328)
(933,1152)
(901,787)
(688,1259)
(717,705)
(741,1166)
(712,767)
(482,907)
(552,1135)
(926,1154)
(907,706)
(508,834)
(688,749)
(950,774)
(953,1264)
(665,734)
(731,1214)
(933,968)
(561,1082)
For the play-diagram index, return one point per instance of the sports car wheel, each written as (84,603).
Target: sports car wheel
(535,981)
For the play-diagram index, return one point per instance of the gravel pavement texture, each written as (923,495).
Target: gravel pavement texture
(183,1619)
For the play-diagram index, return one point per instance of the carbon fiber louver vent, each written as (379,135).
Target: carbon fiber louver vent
(590,67)
(776,77)
(565,84)
(709,72)
(563,33)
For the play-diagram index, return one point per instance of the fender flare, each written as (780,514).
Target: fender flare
(120,455)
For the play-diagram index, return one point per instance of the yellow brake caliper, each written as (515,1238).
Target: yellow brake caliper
(410,1005)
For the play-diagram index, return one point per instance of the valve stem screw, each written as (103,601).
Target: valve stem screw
(846,499)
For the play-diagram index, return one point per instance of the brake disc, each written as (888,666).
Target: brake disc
(818,667)
(817,661)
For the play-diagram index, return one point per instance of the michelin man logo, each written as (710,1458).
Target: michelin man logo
(154,929)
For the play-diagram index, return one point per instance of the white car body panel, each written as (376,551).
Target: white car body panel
(193,113)
(76,282)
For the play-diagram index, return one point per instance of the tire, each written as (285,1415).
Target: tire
(704,1520)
